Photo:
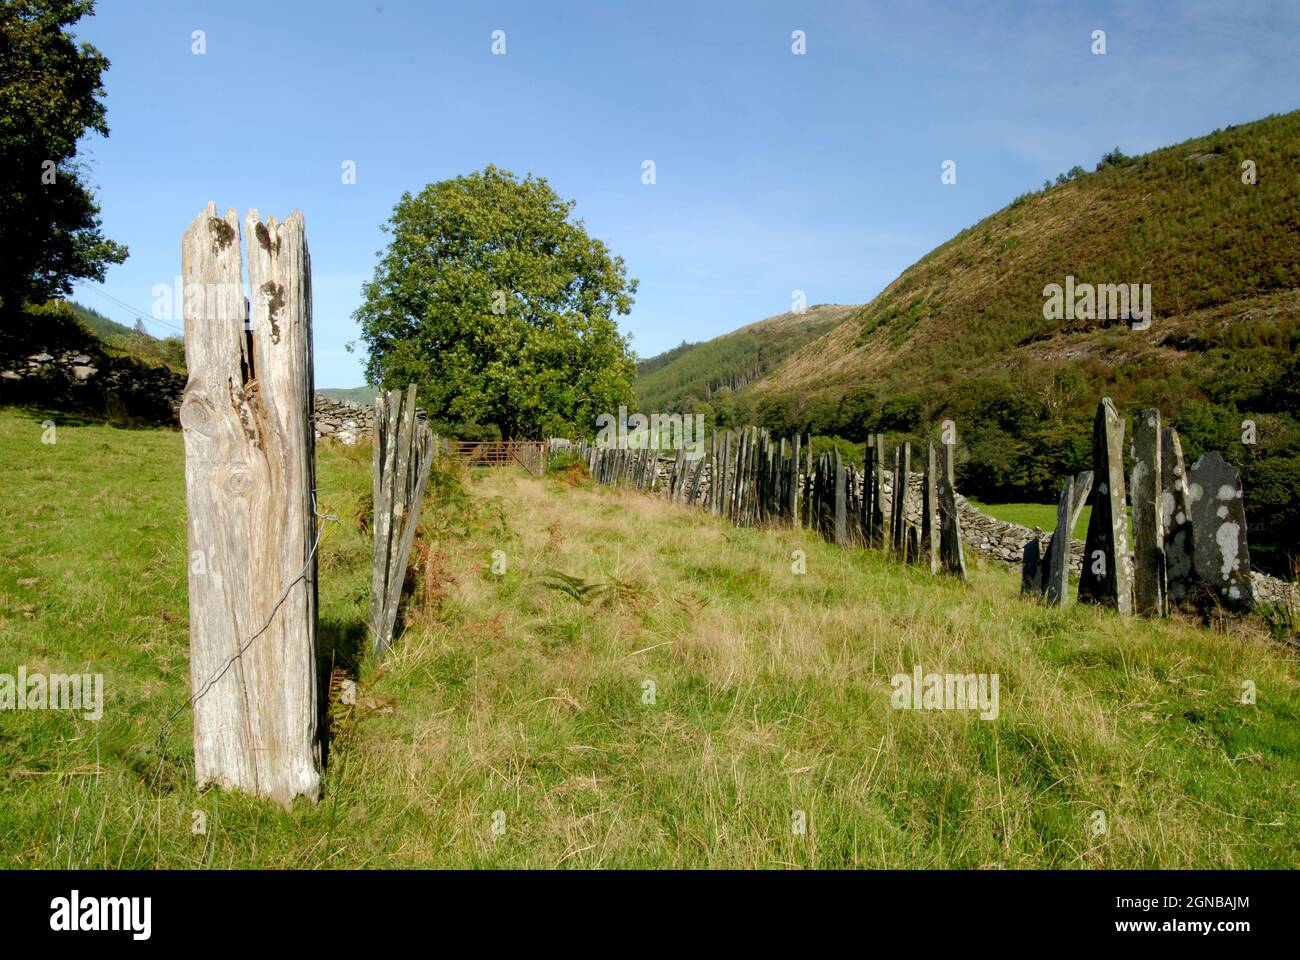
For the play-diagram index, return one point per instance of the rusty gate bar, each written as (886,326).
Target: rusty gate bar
(529,454)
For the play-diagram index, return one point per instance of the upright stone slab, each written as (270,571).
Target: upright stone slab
(738,478)
(808,484)
(877,513)
(1105,578)
(1031,568)
(697,476)
(898,508)
(1148,535)
(894,531)
(951,553)
(826,495)
(930,510)
(1079,497)
(794,484)
(1056,578)
(751,480)
(851,500)
(1220,555)
(841,503)
(818,501)
(1176,520)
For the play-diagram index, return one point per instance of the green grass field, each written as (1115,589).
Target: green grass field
(1041,515)
(683,714)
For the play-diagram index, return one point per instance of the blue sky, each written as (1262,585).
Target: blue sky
(775,172)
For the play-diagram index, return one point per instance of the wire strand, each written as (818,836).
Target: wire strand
(165,727)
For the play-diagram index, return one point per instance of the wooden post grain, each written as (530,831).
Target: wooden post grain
(401,461)
(249,481)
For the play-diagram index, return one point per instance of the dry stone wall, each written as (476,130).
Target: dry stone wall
(90,379)
(343,420)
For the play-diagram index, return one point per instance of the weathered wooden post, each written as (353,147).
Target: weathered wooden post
(401,456)
(1105,578)
(1148,536)
(384,444)
(249,482)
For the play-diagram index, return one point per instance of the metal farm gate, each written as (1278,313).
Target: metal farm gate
(529,454)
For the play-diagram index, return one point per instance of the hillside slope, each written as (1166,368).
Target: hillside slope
(693,374)
(962,333)
(122,339)
(1218,253)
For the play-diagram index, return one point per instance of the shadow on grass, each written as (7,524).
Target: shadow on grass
(86,418)
(342,648)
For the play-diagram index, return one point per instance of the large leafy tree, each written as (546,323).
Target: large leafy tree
(51,94)
(500,307)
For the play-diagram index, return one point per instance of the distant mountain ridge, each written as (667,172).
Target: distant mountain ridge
(362,395)
(693,374)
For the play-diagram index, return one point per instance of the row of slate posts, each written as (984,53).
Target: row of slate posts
(402,452)
(1189,527)
(846,507)
(753,479)
(746,475)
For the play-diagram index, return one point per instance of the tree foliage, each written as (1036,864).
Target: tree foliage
(500,307)
(51,94)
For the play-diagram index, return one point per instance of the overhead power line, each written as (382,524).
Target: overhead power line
(145,318)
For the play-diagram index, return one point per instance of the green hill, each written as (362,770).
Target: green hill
(121,339)
(695,376)
(362,395)
(98,324)
(962,333)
